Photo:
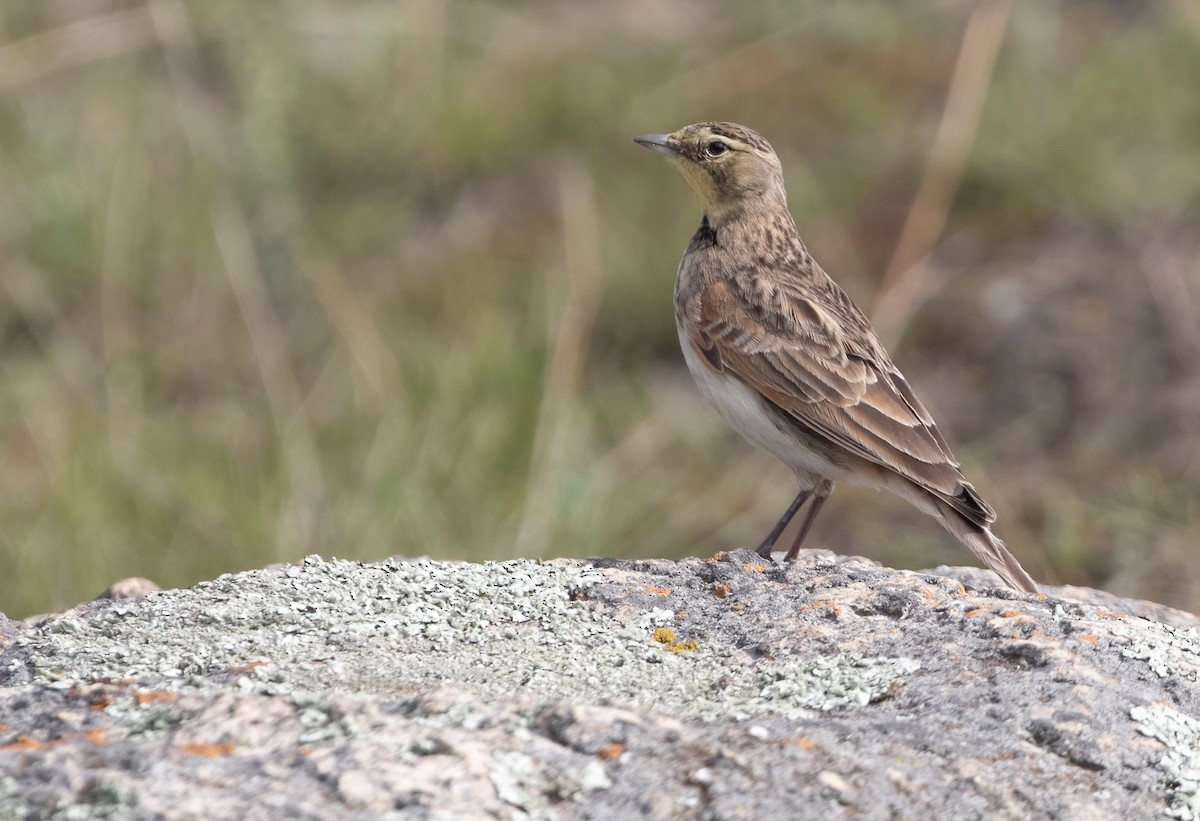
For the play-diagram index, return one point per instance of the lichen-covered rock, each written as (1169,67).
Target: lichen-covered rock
(731,687)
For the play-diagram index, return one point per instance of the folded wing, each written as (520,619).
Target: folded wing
(806,357)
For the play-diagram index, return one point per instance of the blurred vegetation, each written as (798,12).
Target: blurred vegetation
(381,278)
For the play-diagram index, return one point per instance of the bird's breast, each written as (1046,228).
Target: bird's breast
(760,423)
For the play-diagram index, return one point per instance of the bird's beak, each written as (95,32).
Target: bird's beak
(660,143)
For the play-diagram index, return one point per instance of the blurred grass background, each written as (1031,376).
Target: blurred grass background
(383,278)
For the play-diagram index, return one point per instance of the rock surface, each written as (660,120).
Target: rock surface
(727,688)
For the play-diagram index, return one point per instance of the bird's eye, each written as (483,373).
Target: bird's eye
(716,148)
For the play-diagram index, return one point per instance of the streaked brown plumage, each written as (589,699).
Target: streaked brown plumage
(791,362)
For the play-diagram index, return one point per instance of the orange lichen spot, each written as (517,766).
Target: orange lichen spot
(24,742)
(978,611)
(804,743)
(148,696)
(209,750)
(96,735)
(1088,637)
(661,591)
(719,556)
(835,609)
(609,752)
(754,568)
(721,590)
(1009,614)
(1038,634)
(247,667)
(1108,614)
(681,614)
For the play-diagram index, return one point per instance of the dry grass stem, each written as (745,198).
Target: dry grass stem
(558,414)
(75,44)
(905,285)
(118,334)
(235,242)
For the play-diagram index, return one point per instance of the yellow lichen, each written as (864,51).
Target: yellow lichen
(665,635)
(670,641)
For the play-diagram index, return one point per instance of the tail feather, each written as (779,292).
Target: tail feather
(989,549)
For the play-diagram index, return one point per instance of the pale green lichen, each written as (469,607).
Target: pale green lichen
(12,805)
(523,783)
(835,681)
(1171,652)
(388,629)
(1180,767)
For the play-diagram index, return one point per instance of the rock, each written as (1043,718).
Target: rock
(726,688)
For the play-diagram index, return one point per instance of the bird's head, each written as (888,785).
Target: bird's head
(729,166)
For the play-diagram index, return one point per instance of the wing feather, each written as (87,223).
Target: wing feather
(823,368)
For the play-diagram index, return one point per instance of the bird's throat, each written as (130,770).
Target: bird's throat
(706,235)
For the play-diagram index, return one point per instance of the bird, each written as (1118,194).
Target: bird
(791,363)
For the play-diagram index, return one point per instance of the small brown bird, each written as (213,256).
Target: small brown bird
(791,362)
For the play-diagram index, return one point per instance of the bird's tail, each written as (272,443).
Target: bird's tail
(990,550)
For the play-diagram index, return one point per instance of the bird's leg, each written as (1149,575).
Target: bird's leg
(808,520)
(764,549)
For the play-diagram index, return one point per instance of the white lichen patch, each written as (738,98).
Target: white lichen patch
(1180,767)
(317,610)
(521,782)
(1167,650)
(837,681)
(393,629)
(798,687)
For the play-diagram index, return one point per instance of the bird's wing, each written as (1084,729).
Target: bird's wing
(815,357)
